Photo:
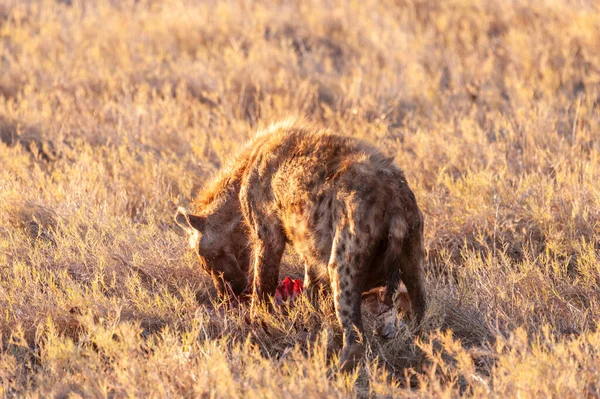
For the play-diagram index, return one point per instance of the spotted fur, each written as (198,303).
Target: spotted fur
(344,207)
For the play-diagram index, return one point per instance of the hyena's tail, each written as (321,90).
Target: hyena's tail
(404,259)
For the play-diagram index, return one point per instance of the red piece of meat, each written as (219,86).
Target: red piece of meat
(288,289)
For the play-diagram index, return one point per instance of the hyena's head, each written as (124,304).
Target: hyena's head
(222,250)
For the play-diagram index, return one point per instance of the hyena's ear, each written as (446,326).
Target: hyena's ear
(188,222)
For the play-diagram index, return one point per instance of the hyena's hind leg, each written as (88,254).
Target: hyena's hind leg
(346,270)
(404,262)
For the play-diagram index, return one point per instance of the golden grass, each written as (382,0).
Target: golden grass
(114,113)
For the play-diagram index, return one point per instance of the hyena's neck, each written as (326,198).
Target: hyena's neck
(220,201)
(223,219)
(223,207)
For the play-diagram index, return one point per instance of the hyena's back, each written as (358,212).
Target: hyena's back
(319,183)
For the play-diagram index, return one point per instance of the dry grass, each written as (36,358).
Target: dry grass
(114,113)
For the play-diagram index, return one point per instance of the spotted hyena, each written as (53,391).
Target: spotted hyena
(344,206)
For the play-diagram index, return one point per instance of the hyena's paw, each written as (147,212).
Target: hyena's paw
(351,355)
(259,307)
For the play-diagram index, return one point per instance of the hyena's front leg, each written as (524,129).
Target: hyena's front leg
(268,245)
(266,238)
(346,270)
(315,282)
